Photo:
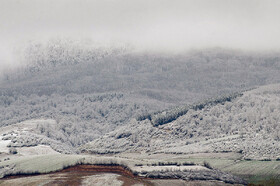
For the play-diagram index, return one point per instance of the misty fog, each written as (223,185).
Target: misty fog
(169,26)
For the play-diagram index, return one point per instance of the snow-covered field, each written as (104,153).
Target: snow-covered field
(37,150)
(173,168)
(26,126)
(7,133)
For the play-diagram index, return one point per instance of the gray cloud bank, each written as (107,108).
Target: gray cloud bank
(163,25)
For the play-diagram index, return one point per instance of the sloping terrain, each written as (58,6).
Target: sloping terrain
(248,124)
(89,91)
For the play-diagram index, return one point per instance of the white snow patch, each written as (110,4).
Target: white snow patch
(37,150)
(27,125)
(173,168)
(102,180)
(3,145)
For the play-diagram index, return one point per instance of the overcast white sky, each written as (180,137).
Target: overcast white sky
(174,25)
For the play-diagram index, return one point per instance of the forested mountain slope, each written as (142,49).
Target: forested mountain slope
(248,124)
(90,90)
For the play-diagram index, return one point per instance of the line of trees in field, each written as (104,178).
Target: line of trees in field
(169,115)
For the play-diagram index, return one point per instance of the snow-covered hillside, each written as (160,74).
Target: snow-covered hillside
(90,91)
(249,125)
